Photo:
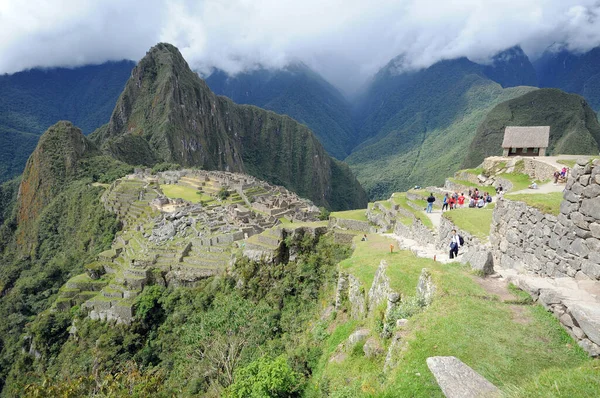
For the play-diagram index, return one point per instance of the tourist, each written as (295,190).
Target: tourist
(454,244)
(499,189)
(364,238)
(470,193)
(480,203)
(476,193)
(563,172)
(452,202)
(556,176)
(461,200)
(488,198)
(471,202)
(445,204)
(430,201)
(533,185)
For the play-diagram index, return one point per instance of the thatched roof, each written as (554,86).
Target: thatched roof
(526,137)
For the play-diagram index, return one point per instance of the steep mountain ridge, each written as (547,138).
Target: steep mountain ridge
(33,100)
(574,128)
(296,91)
(168,114)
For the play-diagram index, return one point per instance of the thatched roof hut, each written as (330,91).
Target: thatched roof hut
(526,140)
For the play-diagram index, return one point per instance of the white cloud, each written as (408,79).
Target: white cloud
(346,40)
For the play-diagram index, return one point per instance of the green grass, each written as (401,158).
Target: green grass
(477,222)
(519,348)
(548,203)
(476,171)
(519,180)
(359,215)
(189,194)
(400,199)
(570,163)
(489,189)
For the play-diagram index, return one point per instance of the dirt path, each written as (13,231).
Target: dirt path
(544,188)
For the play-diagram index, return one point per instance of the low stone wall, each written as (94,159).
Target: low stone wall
(445,234)
(416,231)
(353,225)
(568,245)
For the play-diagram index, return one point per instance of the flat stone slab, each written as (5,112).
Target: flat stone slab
(457,380)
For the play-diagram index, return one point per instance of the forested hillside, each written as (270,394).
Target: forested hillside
(574,128)
(33,100)
(299,92)
(572,72)
(420,124)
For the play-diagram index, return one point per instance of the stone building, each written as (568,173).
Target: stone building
(526,140)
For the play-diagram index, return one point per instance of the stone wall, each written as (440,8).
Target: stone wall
(353,225)
(567,245)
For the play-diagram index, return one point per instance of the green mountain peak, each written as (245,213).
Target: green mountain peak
(168,114)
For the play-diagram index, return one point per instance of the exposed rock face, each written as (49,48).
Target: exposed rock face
(168,114)
(457,380)
(380,289)
(356,296)
(425,287)
(480,260)
(566,245)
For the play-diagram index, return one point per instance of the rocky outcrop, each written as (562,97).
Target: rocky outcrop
(380,289)
(556,246)
(425,287)
(458,380)
(480,259)
(356,298)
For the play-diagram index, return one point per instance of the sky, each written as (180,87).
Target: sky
(347,41)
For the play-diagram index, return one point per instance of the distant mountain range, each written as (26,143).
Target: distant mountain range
(33,100)
(401,131)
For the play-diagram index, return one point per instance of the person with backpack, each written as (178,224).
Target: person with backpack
(430,201)
(456,241)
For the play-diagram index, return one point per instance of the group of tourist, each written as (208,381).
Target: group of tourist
(562,174)
(474,199)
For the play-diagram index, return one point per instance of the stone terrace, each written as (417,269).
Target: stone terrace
(169,241)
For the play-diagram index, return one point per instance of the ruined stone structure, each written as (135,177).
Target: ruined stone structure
(169,241)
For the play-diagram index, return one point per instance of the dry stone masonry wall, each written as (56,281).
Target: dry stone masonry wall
(558,256)
(567,245)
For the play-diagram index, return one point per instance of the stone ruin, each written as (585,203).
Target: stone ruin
(172,242)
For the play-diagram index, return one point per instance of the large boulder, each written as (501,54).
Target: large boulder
(457,380)
(480,260)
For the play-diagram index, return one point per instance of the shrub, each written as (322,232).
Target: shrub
(266,377)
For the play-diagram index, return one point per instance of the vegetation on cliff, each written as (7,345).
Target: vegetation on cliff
(299,92)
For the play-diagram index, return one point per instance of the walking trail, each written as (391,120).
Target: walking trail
(580,295)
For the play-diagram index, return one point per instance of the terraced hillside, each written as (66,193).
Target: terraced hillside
(177,242)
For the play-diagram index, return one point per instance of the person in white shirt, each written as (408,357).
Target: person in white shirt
(454,244)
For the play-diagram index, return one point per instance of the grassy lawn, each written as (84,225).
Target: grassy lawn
(189,194)
(359,215)
(570,163)
(400,199)
(522,349)
(545,202)
(519,180)
(475,221)
(488,189)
